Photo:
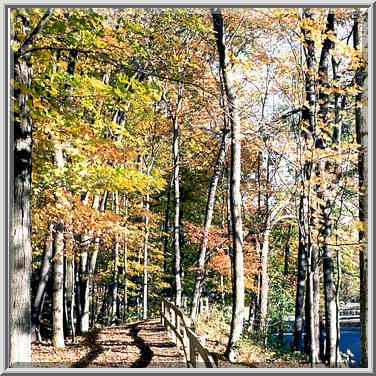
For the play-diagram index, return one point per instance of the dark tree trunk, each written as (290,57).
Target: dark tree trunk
(301,283)
(20,255)
(331,353)
(235,196)
(69,285)
(40,294)
(362,139)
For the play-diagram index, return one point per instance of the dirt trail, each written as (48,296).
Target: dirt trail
(142,344)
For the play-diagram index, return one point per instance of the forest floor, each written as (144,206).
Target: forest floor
(143,344)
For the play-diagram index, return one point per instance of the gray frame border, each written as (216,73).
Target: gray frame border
(6,163)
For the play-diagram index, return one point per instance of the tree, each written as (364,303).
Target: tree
(235,197)
(20,242)
(361,80)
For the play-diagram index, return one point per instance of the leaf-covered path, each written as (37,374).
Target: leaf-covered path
(136,345)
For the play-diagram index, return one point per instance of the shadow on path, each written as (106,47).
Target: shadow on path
(95,350)
(146,352)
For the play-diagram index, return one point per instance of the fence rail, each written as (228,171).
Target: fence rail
(179,327)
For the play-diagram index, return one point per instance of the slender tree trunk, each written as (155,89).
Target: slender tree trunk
(40,294)
(235,196)
(264,293)
(301,282)
(331,355)
(116,267)
(125,269)
(77,295)
(58,288)
(89,272)
(58,260)
(312,308)
(166,226)
(176,163)
(145,265)
(69,283)
(362,140)
(146,241)
(200,274)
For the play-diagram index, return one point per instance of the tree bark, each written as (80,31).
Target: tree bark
(20,255)
(58,261)
(301,282)
(362,140)
(176,164)
(331,352)
(235,196)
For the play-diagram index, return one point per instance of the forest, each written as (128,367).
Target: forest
(214,160)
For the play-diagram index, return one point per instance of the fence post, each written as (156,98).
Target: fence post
(177,320)
(192,352)
(168,315)
(162,313)
(173,322)
(200,360)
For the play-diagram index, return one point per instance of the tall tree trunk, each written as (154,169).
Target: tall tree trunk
(176,164)
(58,260)
(200,273)
(116,267)
(20,255)
(309,121)
(362,139)
(166,227)
(41,290)
(125,268)
(331,355)
(69,284)
(146,241)
(235,196)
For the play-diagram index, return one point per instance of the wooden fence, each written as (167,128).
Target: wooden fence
(178,326)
